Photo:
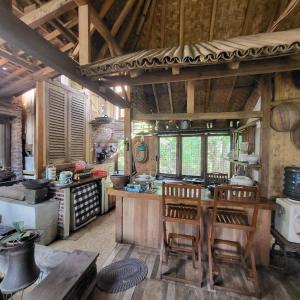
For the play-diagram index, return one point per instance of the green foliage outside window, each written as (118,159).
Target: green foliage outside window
(217,148)
(168,155)
(121,155)
(191,155)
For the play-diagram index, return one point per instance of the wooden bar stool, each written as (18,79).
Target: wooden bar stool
(235,207)
(181,204)
(216,178)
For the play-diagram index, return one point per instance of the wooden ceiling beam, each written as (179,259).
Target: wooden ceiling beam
(57,23)
(17,34)
(117,25)
(18,61)
(103,11)
(170,96)
(142,21)
(155,98)
(47,12)
(55,33)
(254,67)
(100,26)
(131,23)
(181,23)
(84,34)
(198,116)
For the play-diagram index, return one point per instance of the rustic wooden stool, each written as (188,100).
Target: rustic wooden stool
(216,178)
(232,209)
(181,204)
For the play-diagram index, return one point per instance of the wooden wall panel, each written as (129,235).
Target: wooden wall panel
(283,153)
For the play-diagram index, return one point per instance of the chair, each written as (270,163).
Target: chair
(216,178)
(235,207)
(181,204)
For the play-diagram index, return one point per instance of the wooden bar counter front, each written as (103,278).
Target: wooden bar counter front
(138,222)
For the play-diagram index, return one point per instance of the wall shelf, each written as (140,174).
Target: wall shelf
(245,164)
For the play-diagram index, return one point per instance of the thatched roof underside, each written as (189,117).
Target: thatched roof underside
(152,24)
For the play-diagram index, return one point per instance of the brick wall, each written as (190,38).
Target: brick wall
(16,139)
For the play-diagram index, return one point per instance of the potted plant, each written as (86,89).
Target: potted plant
(18,248)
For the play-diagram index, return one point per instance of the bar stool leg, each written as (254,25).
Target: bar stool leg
(254,273)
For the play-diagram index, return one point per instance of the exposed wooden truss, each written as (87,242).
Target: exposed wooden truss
(17,34)
(58,21)
(198,116)
(271,65)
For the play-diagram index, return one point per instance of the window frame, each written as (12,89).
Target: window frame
(204,152)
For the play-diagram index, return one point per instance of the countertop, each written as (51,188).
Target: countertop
(206,198)
(78,183)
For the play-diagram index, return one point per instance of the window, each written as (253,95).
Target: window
(191,155)
(121,155)
(168,155)
(217,148)
(185,156)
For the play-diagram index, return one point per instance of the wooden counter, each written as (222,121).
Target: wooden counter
(138,219)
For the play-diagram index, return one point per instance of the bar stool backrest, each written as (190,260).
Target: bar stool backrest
(181,195)
(216,178)
(237,196)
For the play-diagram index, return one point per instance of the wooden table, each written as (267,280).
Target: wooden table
(138,221)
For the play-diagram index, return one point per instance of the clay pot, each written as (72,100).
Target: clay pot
(119,181)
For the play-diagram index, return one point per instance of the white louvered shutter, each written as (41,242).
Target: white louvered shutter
(77,126)
(56,103)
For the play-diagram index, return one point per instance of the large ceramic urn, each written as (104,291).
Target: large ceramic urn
(22,270)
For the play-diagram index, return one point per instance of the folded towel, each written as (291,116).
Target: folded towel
(15,192)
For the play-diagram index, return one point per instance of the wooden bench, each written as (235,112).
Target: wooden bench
(74,279)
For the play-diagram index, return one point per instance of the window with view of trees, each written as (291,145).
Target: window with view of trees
(191,155)
(168,154)
(217,148)
(184,156)
(121,157)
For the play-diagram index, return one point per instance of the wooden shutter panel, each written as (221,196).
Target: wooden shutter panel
(77,126)
(56,103)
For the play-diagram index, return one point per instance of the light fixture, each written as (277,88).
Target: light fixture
(4,68)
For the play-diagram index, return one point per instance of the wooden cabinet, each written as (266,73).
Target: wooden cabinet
(65,124)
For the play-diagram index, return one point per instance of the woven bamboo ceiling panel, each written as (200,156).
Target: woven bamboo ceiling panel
(217,51)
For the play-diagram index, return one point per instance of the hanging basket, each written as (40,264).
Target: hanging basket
(140,152)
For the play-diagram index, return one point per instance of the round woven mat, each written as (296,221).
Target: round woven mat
(121,275)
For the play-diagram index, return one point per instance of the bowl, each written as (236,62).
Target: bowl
(252,159)
(119,181)
(241,180)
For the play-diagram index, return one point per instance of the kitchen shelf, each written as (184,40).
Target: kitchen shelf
(250,124)
(245,164)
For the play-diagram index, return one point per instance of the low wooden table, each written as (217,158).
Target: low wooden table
(138,221)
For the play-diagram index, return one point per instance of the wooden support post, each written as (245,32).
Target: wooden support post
(190,96)
(266,95)
(39,143)
(84,34)
(128,141)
